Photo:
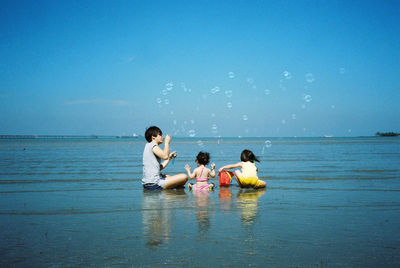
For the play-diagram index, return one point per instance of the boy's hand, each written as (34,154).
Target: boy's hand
(167,139)
(173,155)
(212,166)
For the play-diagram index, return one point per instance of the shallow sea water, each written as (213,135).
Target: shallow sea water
(329,202)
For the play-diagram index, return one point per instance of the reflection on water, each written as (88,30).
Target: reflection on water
(156,215)
(202,211)
(248,204)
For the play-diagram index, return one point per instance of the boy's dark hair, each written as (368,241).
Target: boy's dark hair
(203,158)
(248,155)
(152,131)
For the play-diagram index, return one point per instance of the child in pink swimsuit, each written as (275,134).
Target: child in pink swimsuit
(201,173)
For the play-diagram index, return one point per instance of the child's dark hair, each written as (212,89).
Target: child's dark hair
(203,158)
(152,131)
(248,155)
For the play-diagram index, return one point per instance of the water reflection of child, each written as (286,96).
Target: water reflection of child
(201,173)
(247,178)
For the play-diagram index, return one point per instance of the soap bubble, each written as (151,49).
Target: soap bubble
(333,106)
(307,98)
(250,80)
(192,133)
(175,122)
(192,121)
(200,143)
(342,70)
(169,86)
(303,106)
(283,121)
(166,101)
(165,92)
(245,118)
(287,75)
(228,93)
(213,115)
(267,92)
(159,100)
(231,75)
(294,116)
(215,90)
(268,143)
(309,77)
(172,112)
(229,105)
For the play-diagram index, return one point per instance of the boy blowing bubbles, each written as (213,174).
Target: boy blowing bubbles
(153,179)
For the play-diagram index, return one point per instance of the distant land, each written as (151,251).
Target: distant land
(387,134)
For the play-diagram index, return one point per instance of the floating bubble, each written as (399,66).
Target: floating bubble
(310,78)
(164,92)
(267,92)
(175,122)
(254,87)
(303,106)
(159,100)
(349,130)
(231,75)
(200,143)
(268,143)
(192,133)
(172,112)
(307,98)
(169,86)
(287,75)
(214,128)
(229,105)
(245,118)
(283,121)
(342,70)
(213,115)
(228,93)
(294,116)
(166,101)
(215,90)
(250,80)
(192,121)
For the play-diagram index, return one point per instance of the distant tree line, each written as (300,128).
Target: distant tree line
(387,134)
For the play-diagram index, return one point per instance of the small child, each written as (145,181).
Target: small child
(153,179)
(201,173)
(247,178)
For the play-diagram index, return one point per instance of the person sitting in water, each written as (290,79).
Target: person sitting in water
(201,173)
(152,155)
(247,178)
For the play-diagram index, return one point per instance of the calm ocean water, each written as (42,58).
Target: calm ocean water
(329,202)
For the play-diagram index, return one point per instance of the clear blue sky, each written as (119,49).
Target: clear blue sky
(200,68)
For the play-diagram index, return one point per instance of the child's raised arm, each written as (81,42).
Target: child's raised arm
(190,174)
(212,172)
(231,166)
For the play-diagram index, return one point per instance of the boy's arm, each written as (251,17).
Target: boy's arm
(165,163)
(163,154)
(231,166)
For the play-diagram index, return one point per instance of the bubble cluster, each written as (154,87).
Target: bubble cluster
(245,118)
(229,105)
(310,78)
(231,75)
